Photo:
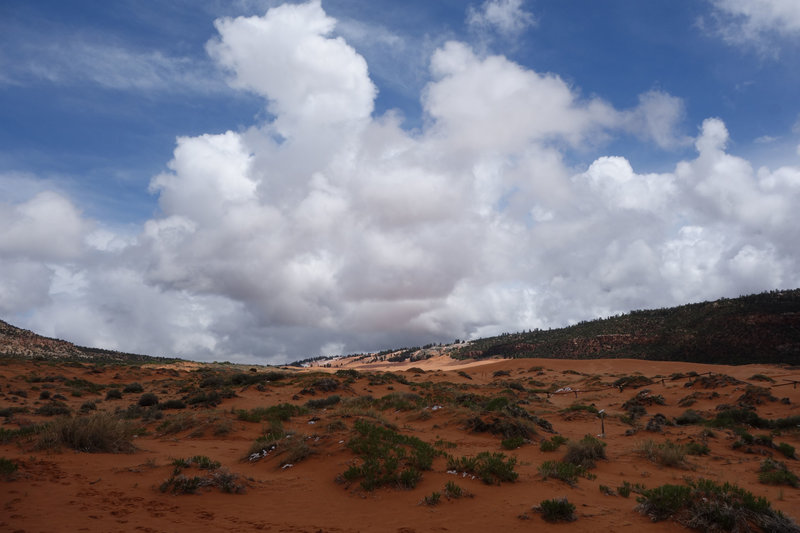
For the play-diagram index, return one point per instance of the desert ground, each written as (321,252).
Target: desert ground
(217,447)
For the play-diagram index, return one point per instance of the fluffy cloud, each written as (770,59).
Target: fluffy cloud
(504,16)
(327,228)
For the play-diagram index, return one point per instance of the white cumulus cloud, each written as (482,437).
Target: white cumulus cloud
(325,227)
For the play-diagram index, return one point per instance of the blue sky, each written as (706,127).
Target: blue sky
(288,180)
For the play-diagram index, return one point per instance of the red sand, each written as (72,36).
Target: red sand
(72,491)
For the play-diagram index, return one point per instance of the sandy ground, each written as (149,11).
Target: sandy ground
(67,490)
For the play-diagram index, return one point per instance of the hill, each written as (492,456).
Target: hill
(18,342)
(760,328)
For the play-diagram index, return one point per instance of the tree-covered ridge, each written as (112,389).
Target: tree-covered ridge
(763,328)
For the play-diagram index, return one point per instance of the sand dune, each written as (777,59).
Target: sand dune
(68,490)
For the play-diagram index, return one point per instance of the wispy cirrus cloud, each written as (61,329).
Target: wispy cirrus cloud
(77,60)
(756,23)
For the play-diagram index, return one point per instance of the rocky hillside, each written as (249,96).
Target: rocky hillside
(17,342)
(761,328)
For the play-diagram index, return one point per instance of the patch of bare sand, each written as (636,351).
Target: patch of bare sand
(73,491)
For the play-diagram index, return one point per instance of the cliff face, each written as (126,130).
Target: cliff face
(18,342)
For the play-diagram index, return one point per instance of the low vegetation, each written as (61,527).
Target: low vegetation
(96,433)
(491,468)
(705,505)
(557,510)
(387,458)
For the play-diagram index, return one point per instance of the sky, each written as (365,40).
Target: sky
(259,181)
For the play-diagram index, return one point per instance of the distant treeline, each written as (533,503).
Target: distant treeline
(759,328)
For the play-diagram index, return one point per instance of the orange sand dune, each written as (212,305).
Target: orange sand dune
(68,490)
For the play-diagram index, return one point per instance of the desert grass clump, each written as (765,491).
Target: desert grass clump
(787,450)
(7,468)
(774,472)
(512,443)
(626,488)
(177,423)
(199,461)
(697,448)
(388,458)
(113,394)
(491,468)
(134,387)
(557,510)
(585,452)
(708,506)
(566,472)
(147,399)
(221,478)
(322,403)
(689,417)
(665,453)
(97,433)
(553,444)
(578,407)
(283,412)
(632,382)
(54,408)
(433,499)
(454,492)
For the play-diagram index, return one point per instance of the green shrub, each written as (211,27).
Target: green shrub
(662,502)
(205,399)
(7,467)
(491,468)
(557,510)
(181,484)
(323,402)
(708,506)
(147,399)
(608,491)
(54,408)
(133,387)
(632,382)
(388,457)
(513,443)
(626,488)
(731,418)
(114,394)
(689,417)
(326,384)
(580,407)
(566,472)
(433,499)
(172,404)
(453,491)
(178,483)
(697,448)
(553,444)
(283,412)
(786,449)
(774,472)
(88,406)
(200,461)
(585,452)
